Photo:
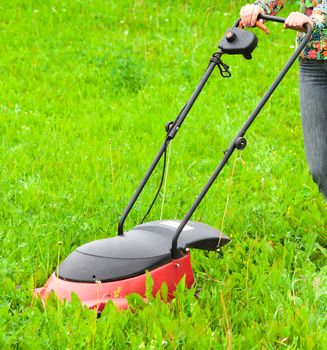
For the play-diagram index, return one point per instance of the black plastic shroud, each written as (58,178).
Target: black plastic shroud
(145,247)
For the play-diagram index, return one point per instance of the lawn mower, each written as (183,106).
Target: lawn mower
(112,268)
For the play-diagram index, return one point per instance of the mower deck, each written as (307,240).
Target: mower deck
(145,247)
(111,268)
(97,295)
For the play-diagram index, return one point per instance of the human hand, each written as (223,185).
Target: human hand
(296,21)
(249,15)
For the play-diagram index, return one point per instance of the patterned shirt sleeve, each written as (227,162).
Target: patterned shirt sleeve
(270,7)
(319,15)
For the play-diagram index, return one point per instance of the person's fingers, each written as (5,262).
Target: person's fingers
(292,21)
(296,21)
(254,16)
(245,15)
(249,14)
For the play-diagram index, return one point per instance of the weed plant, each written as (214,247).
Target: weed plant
(86,88)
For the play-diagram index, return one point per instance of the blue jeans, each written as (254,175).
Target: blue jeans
(313,93)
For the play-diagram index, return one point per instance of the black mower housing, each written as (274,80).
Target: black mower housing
(145,247)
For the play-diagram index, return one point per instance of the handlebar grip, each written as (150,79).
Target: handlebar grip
(307,26)
(272,18)
(265,18)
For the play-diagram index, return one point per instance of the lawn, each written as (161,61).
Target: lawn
(86,89)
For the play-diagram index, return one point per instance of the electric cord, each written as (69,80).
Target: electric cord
(163,168)
(159,188)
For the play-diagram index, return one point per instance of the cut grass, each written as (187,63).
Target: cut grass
(86,88)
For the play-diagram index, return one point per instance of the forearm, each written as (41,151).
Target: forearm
(270,7)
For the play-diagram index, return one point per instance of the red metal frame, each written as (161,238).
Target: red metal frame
(96,295)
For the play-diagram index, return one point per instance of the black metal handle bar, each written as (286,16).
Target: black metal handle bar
(175,252)
(173,131)
(266,18)
(171,134)
(272,18)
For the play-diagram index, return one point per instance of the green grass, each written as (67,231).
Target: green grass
(86,88)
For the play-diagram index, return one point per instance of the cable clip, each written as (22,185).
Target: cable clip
(223,68)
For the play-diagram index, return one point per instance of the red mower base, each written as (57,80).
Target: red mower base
(96,295)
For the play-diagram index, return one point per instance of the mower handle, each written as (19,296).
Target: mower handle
(271,18)
(306,26)
(240,136)
(265,18)
(182,115)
